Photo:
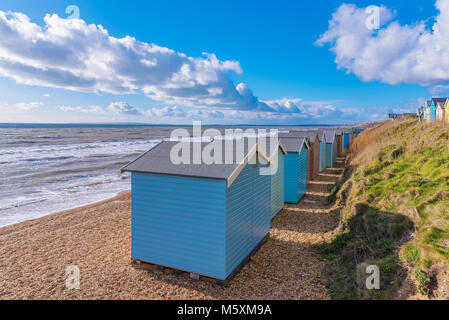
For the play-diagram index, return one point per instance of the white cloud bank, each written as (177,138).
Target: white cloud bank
(70,54)
(393,54)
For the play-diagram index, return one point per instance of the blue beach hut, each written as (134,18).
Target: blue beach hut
(295,175)
(434,102)
(205,219)
(275,152)
(313,154)
(331,148)
(346,138)
(322,151)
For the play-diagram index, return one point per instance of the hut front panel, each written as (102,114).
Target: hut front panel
(340,145)
(334,152)
(262,212)
(439,115)
(315,158)
(302,176)
(322,156)
(346,140)
(310,167)
(247,215)
(179,222)
(432,111)
(329,150)
(291,175)
(277,187)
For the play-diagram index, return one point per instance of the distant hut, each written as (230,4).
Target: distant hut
(440,109)
(340,136)
(446,111)
(434,103)
(313,153)
(346,138)
(322,138)
(205,219)
(331,148)
(295,177)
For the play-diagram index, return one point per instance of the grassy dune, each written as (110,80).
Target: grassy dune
(395,213)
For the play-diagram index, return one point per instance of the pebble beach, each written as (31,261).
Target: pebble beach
(97,240)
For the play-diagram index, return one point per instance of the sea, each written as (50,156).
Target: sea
(50,168)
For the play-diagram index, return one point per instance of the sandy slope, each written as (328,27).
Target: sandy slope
(96,238)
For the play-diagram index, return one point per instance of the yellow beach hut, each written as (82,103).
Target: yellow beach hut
(446,112)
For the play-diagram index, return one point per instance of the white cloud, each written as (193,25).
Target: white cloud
(307,109)
(66,108)
(28,105)
(46,95)
(123,108)
(192,113)
(70,54)
(166,112)
(89,109)
(394,54)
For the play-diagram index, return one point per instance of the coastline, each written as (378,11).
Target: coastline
(78,207)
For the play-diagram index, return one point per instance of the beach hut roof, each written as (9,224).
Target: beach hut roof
(439,100)
(329,135)
(157,161)
(294,144)
(309,134)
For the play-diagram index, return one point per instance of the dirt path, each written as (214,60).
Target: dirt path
(34,255)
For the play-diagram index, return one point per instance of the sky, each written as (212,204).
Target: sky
(220,62)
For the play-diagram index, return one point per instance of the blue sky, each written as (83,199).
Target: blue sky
(271,48)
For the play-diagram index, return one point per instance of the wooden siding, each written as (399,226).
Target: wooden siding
(322,156)
(310,168)
(179,222)
(291,175)
(277,187)
(314,166)
(346,140)
(340,145)
(302,176)
(439,114)
(334,152)
(247,215)
(432,110)
(329,157)
(446,114)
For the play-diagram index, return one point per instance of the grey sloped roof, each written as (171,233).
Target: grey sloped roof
(310,134)
(329,135)
(158,160)
(293,144)
(439,100)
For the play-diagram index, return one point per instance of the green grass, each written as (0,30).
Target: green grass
(400,183)
(410,254)
(423,281)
